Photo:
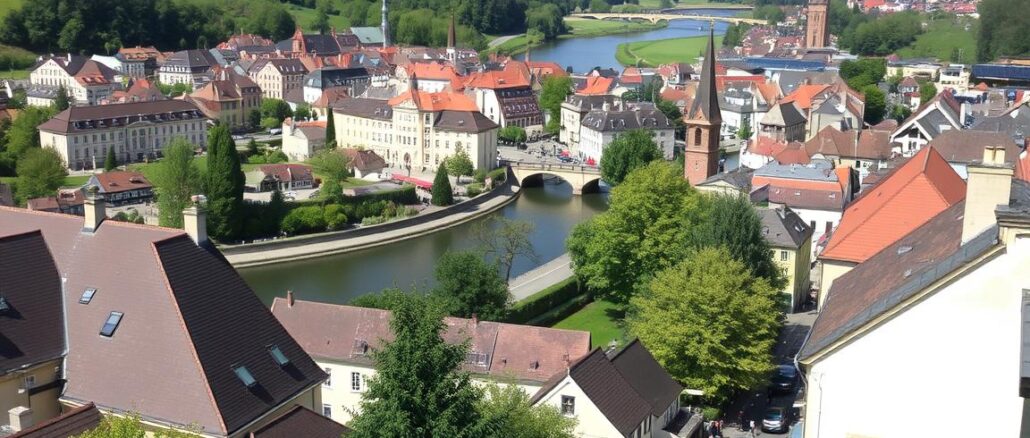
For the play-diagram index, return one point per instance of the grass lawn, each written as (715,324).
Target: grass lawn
(657,52)
(941,39)
(353,182)
(306,16)
(75,181)
(9,5)
(14,74)
(602,319)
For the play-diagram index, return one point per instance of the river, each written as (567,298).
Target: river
(337,279)
(584,54)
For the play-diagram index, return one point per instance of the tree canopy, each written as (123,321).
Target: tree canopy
(224,184)
(41,172)
(709,322)
(419,389)
(460,164)
(733,223)
(468,285)
(882,35)
(629,150)
(1002,29)
(176,179)
(863,72)
(505,240)
(110,162)
(875,104)
(554,90)
(442,193)
(333,165)
(508,409)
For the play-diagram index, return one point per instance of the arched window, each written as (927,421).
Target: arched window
(697,136)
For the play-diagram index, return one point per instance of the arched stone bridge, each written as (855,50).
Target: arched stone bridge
(583,179)
(656,17)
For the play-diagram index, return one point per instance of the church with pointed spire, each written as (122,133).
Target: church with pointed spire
(703,122)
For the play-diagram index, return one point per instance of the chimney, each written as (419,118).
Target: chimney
(988,186)
(20,418)
(194,220)
(95,211)
(289,298)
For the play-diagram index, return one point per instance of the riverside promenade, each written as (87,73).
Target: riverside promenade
(340,242)
(541,277)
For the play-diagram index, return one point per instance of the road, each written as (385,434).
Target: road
(541,277)
(501,40)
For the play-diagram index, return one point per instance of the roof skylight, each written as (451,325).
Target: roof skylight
(278,355)
(87,295)
(111,324)
(244,375)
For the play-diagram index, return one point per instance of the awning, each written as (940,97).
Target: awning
(415,181)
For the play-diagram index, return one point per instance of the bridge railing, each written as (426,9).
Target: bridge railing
(554,167)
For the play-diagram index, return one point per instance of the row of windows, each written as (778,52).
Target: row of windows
(358,381)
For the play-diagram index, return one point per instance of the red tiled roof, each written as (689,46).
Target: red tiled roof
(596,85)
(435,72)
(70,423)
(793,153)
(288,172)
(114,182)
(301,422)
(766,146)
(905,200)
(720,81)
(443,101)
(333,331)
(497,79)
(804,94)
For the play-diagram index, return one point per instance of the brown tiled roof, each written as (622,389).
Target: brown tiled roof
(117,181)
(783,192)
(365,108)
(30,285)
(118,114)
(288,172)
(365,160)
(647,377)
(301,422)
(68,424)
(347,334)
(472,122)
(893,275)
(865,144)
(609,391)
(48,203)
(285,66)
(965,146)
(188,319)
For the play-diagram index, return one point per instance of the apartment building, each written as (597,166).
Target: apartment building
(86,81)
(278,77)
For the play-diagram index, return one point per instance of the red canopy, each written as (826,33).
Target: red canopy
(565,153)
(591,162)
(417,182)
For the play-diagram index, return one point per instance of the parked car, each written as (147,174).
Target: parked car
(275,131)
(776,420)
(785,379)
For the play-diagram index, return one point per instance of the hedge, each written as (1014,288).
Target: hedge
(544,301)
(561,312)
(404,195)
(498,174)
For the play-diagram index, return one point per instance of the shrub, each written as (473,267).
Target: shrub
(545,300)
(480,176)
(711,413)
(474,190)
(335,218)
(304,220)
(498,174)
(410,211)
(373,220)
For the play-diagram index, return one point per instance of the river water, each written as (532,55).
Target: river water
(552,208)
(337,279)
(584,54)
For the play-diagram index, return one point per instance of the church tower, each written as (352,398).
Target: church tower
(385,25)
(452,42)
(704,123)
(818,34)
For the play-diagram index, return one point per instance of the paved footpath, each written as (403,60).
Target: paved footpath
(345,244)
(541,277)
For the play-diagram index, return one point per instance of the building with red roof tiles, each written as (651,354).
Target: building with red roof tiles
(139,62)
(541,69)
(506,97)
(596,86)
(140,90)
(122,187)
(283,177)
(903,201)
(341,338)
(87,82)
(817,191)
(433,77)
(861,150)
(793,153)
(229,98)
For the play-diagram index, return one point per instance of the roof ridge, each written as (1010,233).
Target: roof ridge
(193,347)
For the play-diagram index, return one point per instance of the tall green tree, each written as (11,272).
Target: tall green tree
(733,223)
(419,389)
(442,192)
(224,184)
(330,131)
(176,179)
(927,91)
(41,172)
(505,240)
(553,92)
(277,109)
(673,113)
(875,104)
(744,131)
(61,101)
(646,229)
(509,409)
(1002,30)
(23,133)
(468,285)
(629,151)
(110,162)
(460,164)
(333,165)
(709,322)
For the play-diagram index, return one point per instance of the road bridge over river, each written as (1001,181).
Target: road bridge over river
(581,178)
(655,17)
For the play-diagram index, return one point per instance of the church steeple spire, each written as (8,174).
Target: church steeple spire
(704,123)
(385,26)
(452,41)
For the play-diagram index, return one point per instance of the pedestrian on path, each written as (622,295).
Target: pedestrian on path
(753,432)
(740,421)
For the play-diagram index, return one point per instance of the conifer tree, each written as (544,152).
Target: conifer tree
(442,193)
(224,184)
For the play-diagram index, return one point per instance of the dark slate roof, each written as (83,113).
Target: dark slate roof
(329,77)
(464,121)
(895,274)
(616,121)
(188,319)
(592,102)
(607,389)
(365,108)
(83,118)
(283,66)
(783,228)
(206,289)
(68,424)
(706,103)
(32,329)
(194,59)
(739,177)
(301,422)
(647,377)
